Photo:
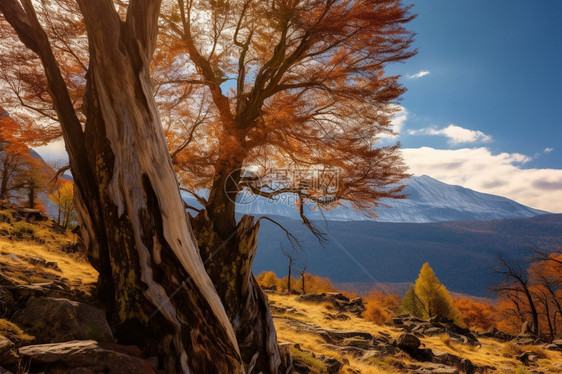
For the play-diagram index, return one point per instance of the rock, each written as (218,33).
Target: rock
(88,354)
(558,342)
(357,343)
(466,366)
(434,331)
(526,358)
(47,289)
(437,369)
(553,347)
(446,358)
(5,345)
(8,353)
(408,342)
(339,301)
(7,302)
(53,320)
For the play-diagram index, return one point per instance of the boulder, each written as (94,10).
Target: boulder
(7,302)
(53,320)
(553,347)
(46,289)
(80,355)
(408,343)
(437,369)
(558,342)
(5,345)
(8,353)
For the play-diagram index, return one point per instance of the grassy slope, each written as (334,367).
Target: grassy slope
(489,354)
(28,252)
(18,251)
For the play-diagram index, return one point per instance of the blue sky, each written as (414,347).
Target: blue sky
(485,90)
(484,100)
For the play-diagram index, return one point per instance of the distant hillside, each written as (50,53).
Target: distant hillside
(461,253)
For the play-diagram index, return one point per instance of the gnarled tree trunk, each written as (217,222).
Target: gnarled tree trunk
(126,194)
(229,264)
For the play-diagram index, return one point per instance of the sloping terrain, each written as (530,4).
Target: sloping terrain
(318,335)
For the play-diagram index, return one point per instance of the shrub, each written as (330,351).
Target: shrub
(13,332)
(380,307)
(6,216)
(267,279)
(316,365)
(24,229)
(510,350)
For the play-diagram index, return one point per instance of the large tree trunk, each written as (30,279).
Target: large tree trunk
(126,193)
(229,264)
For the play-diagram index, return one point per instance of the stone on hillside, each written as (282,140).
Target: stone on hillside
(50,289)
(408,342)
(437,369)
(5,344)
(553,347)
(85,354)
(341,302)
(446,358)
(53,320)
(8,353)
(558,342)
(7,302)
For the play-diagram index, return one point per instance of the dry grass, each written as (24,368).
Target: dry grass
(13,332)
(491,353)
(15,264)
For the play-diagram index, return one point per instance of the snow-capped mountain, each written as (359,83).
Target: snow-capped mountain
(428,200)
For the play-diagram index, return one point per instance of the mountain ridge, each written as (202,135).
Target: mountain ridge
(429,200)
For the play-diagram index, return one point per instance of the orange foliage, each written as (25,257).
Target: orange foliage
(308,91)
(380,307)
(475,314)
(21,174)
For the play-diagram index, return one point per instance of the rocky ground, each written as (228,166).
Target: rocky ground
(50,324)
(326,335)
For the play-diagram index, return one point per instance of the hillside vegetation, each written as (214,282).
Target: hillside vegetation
(45,288)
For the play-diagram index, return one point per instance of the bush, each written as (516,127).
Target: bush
(6,216)
(267,280)
(24,229)
(380,307)
(13,332)
(510,350)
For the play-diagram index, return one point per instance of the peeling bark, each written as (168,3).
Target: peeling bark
(229,264)
(130,209)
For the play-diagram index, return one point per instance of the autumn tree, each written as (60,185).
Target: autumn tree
(21,174)
(151,275)
(412,304)
(516,286)
(476,314)
(291,98)
(63,198)
(433,297)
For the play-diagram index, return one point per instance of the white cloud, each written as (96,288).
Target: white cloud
(421,73)
(548,150)
(54,151)
(499,174)
(455,134)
